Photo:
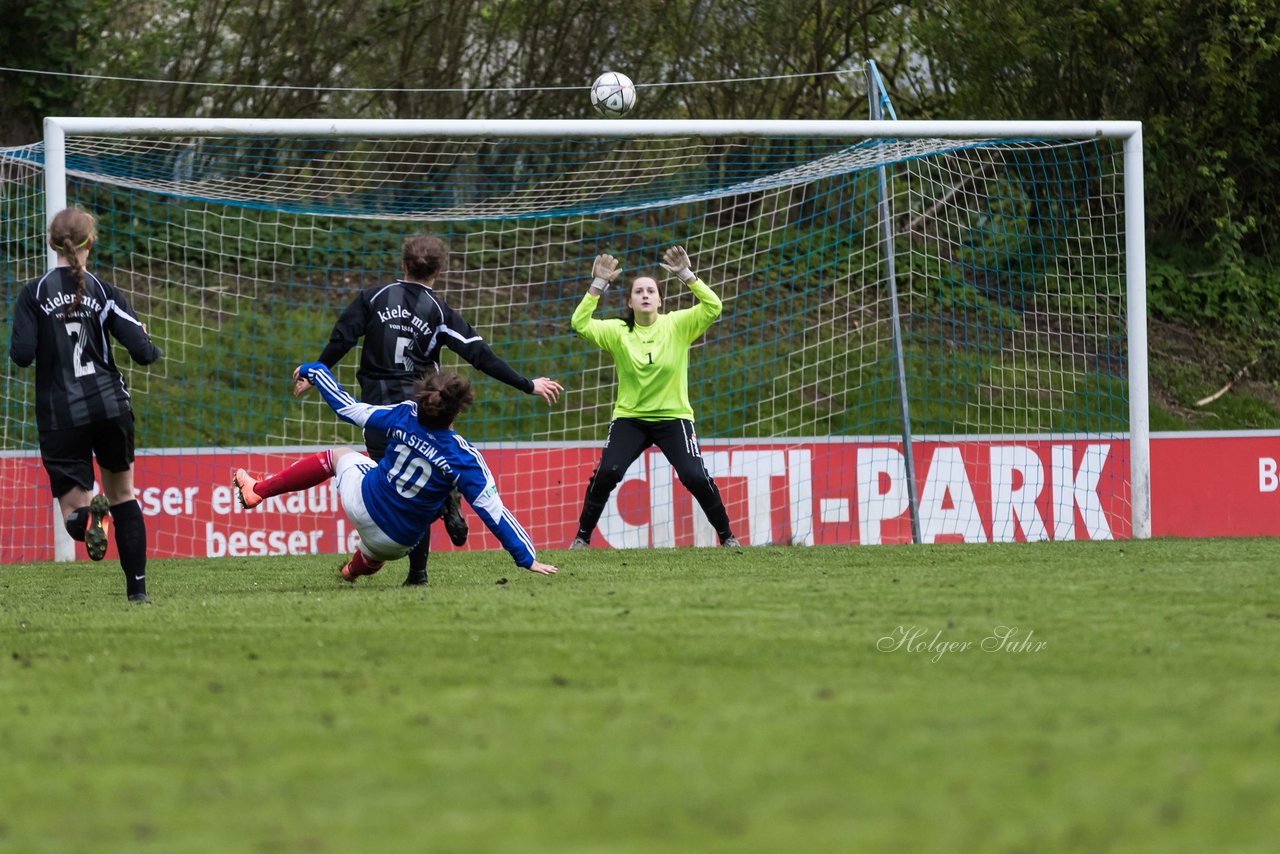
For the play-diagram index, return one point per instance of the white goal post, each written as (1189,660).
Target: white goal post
(1020,260)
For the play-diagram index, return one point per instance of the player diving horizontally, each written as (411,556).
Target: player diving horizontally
(392,502)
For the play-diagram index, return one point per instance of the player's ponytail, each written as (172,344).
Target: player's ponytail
(73,230)
(441,398)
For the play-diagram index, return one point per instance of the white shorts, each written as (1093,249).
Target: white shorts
(376,545)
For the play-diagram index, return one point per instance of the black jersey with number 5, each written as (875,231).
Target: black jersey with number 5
(404,326)
(77,381)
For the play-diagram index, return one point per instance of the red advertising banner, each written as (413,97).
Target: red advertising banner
(825,492)
(1216,485)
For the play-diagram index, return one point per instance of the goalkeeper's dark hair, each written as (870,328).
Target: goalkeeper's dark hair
(72,230)
(424,257)
(441,398)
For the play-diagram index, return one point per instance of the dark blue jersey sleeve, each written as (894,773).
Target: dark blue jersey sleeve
(476,484)
(342,403)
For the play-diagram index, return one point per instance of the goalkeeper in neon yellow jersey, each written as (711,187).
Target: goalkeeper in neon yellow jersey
(651,355)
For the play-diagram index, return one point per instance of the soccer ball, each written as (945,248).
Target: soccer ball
(613,94)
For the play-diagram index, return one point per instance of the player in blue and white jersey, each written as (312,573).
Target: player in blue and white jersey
(392,502)
(404,326)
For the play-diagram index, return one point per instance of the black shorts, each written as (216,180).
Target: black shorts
(68,454)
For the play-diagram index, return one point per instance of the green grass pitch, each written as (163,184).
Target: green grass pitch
(667,700)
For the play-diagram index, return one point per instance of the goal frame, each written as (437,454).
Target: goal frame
(58,128)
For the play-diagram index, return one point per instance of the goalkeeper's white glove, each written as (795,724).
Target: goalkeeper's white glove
(676,260)
(605,271)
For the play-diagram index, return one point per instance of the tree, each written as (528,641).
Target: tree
(278,58)
(41,35)
(1204,78)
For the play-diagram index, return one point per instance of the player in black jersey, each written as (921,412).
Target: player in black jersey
(63,321)
(404,325)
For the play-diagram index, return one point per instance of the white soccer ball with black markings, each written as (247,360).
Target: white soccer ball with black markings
(613,94)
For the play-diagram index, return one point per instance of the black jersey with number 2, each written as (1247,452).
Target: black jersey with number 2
(77,382)
(404,326)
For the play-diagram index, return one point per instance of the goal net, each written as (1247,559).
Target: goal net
(240,249)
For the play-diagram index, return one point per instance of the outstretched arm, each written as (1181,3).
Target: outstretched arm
(340,401)
(604,272)
(476,484)
(461,338)
(346,332)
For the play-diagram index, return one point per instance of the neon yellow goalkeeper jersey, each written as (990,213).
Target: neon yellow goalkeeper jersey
(652,361)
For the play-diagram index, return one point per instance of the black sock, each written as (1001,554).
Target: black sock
(418,561)
(418,557)
(708,497)
(131,543)
(77,523)
(592,510)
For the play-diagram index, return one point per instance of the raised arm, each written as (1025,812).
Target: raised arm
(605,271)
(692,321)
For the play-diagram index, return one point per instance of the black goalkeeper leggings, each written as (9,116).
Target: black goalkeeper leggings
(628,439)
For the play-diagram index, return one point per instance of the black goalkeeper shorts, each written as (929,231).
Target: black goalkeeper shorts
(68,454)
